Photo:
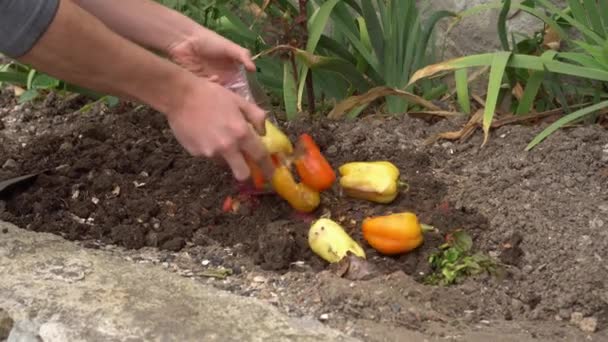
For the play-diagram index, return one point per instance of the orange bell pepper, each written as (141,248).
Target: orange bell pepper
(312,167)
(394,233)
(300,196)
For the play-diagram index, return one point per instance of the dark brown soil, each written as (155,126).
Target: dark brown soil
(119,177)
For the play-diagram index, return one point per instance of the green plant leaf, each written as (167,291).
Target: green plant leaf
(336,48)
(516,61)
(111,101)
(593,12)
(364,36)
(603,10)
(502,25)
(375,30)
(565,120)
(462,90)
(316,26)
(13,77)
(339,66)
(28,95)
(499,65)
(30,78)
(532,87)
(289,91)
(43,81)
(579,25)
(462,241)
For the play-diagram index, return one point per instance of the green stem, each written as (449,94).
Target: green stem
(427,228)
(403,186)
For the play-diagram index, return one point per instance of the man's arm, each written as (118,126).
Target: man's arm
(78,48)
(145,22)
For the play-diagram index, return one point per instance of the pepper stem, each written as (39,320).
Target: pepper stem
(427,228)
(403,186)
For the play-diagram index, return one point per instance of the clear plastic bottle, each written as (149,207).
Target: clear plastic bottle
(240,84)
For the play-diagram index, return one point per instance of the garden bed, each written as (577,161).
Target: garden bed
(118,177)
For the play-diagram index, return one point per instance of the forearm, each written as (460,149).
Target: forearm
(78,48)
(145,22)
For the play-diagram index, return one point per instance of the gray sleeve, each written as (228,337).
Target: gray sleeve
(22,23)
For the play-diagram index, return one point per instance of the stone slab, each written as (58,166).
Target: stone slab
(53,290)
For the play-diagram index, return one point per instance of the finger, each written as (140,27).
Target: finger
(214,78)
(244,57)
(237,164)
(255,115)
(253,147)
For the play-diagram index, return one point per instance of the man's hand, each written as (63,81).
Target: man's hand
(214,122)
(210,121)
(207,54)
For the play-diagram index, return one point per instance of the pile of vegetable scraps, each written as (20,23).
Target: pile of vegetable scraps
(375,181)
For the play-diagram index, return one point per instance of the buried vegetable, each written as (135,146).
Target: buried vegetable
(394,233)
(329,241)
(376,181)
(300,196)
(312,167)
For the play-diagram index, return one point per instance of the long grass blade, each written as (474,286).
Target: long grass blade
(367,42)
(593,12)
(30,78)
(289,91)
(583,28)
(578,12)
(582,59)
(356,42)
(532,87)
(338,66)
(603,9)
(427,32)
(499,65)
(462,90)
(316,26)
(375,93)
(373,26)
(13,77)
(334,47)
(565,120)
(516,61)
(502,25)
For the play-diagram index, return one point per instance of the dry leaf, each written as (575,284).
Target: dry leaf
(372,95)
(18,90)
(518,91)
(551,39)
(352,267)
(116,191)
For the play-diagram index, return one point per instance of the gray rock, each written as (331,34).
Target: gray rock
(58,291)
(478,33)
(10,164)
(24,331)
(588,324)
(6,324)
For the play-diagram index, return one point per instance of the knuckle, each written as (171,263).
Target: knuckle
(240,130)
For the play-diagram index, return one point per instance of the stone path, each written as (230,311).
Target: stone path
(54,290)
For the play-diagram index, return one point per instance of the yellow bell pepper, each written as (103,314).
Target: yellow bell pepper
(300,196)
(376,181)
(275,141)
(329,241)
(277,144)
